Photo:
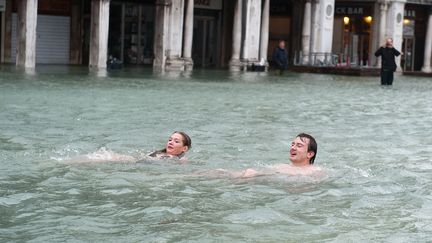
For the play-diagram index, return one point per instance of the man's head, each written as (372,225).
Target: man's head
(282,44)
(303,149)
(389,42)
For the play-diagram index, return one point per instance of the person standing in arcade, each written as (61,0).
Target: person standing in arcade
(280,57)
(388,63)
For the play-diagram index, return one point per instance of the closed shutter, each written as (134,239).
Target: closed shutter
(53,39)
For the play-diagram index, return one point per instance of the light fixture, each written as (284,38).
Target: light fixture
(346,20)
(368,19)
(406,21)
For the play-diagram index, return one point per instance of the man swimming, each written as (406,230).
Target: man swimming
(302,155)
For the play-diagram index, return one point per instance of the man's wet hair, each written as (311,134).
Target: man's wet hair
(312,145)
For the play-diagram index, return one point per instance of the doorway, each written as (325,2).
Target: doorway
(131,32)
(204,41)
(358,49)
(408,54)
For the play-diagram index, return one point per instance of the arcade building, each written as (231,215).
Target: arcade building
(231,34)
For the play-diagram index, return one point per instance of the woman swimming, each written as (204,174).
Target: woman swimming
(176,147)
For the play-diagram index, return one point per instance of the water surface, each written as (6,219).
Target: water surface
(374,142)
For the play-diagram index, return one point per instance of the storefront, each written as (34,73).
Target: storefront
(53,32)
(131,31)
(414,32)
(352,33)
(280,25)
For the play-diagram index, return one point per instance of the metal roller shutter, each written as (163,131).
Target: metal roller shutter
(53,39)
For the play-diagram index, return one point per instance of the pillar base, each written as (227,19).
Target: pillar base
(305,60)
(236,65)
(174,64)
(256,65)
(98,72)
(252,61)
(426,69)
(188,64)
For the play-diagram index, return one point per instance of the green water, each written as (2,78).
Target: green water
(373,142)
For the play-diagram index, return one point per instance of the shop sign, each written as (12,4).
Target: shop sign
(2,5)
(409,28)
(54,7)
(349,11)
(208,4)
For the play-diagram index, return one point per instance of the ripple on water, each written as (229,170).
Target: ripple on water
(259,216)
(16,199)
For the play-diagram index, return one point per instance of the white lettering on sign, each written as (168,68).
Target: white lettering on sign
(410,13)
(349,11)
(202,2)
(208,4)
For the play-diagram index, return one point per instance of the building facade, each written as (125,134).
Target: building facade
(234,34)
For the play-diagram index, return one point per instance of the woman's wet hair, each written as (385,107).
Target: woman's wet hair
(186,139)
(312,145)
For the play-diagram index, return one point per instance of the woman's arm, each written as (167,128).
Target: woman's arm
(103,155)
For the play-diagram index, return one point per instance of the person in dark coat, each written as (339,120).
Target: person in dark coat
(280,57)
(388,63)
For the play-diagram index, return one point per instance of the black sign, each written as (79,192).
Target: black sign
(350,10)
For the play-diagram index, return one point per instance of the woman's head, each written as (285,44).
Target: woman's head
(178,143)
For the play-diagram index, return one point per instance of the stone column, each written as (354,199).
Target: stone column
(161,34)
(383,7)
(75,33)
(251,42)
(99,33)
(306,32)
(26,39)
(375,29)
(314,26)
(6,47)
(188,35)
(7,32)
(235,63)
(168,40)
(382,22)
(265,24)
(174,59)
(323,30)
(428,46)
(394,26)
(326,26)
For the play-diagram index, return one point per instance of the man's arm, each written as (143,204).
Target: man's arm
(276,58)
(378,52)
(396,52)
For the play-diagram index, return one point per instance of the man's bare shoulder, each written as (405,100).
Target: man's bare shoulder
(295,170)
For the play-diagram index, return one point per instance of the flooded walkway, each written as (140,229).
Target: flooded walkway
(374,143)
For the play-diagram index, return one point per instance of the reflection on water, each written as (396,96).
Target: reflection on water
(373,142)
